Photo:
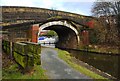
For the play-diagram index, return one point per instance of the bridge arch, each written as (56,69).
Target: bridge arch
(67,33)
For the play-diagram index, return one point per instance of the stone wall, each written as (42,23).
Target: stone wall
(35,50)
(25,54)
(27,14)
(6,46)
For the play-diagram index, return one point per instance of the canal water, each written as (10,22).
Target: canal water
(105,62)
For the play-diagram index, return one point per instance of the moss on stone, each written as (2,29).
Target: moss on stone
(6,46)
(37,59)
(21,48)
(25,54)
(20,59)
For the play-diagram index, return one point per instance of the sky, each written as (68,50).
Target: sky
(82,7)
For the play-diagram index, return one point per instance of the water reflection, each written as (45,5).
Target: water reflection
(48,45)
(107,63)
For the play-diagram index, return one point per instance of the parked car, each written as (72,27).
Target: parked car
(41,39)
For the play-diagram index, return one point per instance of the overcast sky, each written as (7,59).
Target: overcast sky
(75,6)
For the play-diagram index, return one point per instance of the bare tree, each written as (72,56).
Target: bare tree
(109,14)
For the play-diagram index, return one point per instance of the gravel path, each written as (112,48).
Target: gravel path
(56,68)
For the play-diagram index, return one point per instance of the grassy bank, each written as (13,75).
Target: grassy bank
(101,49)
(66,57)
(13,72)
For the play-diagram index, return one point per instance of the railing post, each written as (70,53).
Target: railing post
(11,50)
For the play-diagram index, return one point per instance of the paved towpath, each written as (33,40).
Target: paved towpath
(56,68)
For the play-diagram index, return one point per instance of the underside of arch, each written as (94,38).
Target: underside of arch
(68,35)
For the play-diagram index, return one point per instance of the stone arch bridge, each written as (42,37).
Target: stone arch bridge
(26,23)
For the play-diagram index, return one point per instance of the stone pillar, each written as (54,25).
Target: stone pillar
(34,31)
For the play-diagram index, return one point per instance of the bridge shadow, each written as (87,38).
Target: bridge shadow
(67,37)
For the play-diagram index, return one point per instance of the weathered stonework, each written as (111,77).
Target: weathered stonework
(67,25)
(35,50)
(26,54)
(6,46)
(14,14)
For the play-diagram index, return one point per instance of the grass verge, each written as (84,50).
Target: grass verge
(13,72)
(67,58)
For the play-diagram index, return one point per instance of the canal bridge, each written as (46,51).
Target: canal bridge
(26,23)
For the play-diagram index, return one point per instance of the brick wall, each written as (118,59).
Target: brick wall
(34,31)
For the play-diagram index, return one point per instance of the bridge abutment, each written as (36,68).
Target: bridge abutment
(34,33)
(22,34)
